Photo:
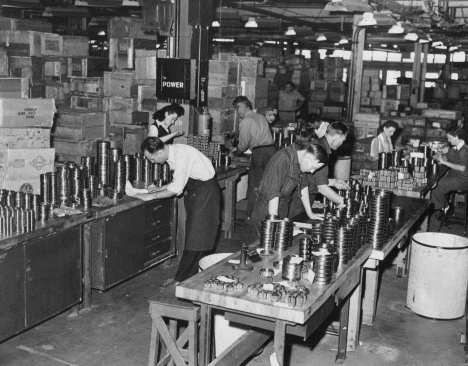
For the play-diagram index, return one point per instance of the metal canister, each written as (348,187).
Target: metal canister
(204,122)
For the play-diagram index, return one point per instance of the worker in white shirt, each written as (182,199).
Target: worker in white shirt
(194,173)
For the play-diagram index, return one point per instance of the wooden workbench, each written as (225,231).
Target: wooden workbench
(345,290)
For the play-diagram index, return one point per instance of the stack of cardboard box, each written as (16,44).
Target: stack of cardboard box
(371,91)
(25,151)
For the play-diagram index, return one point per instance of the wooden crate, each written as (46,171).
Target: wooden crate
(21,43)
(14,88)
(82,148)
(146,100)
(129,117)
(58,91)
(75,46)
(119,84)
(86,103)
(3,63)
(85,86)
(51,44)
(26,67)
(55,70)
(121,53)
(145,67)
(25,24)
(120,104)
(77,66)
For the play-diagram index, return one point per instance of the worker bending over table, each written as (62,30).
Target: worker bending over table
(457,177)
(319,182)
(254,135)
(194,173)
(285,176)
(163,120)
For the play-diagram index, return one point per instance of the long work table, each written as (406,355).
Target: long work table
(55,267)
(345,291)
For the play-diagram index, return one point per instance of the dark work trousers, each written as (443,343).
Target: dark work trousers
(188,265)
(202,205)
(444,186)
(260,157)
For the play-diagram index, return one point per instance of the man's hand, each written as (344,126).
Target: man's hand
(152,189)
(145,196)
(232,152)
(316,216)
(341,184)
(180,133)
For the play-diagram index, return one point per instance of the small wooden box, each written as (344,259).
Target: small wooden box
(119,84)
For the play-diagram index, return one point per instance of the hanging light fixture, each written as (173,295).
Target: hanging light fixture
(347,6)
(290,32)
(367,20)
(437,44)
(411,37)
(251,23)
(321,37)
(343,40)
(396,29)
(215,24)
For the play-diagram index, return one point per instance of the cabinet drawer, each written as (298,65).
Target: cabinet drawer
(157,251)
(158,214)
(157,235)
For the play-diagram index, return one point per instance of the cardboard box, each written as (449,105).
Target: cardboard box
(127,27)
(14,88)
(75,46)
(85,103)
(38,25)
(388,105)
(318,95)
(121,53)
(24,138)
(118,84)
(318,85)
(120,104)
(365,101)
(77,66)
(83,148)
(441,113)
(79,134)
(20,168)
(367,117)
(146,98)
(75,125)
(27,112)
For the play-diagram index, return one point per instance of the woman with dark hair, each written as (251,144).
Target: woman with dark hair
(383,142)
(284,176)
(163,120)
(457,177)
(193,173)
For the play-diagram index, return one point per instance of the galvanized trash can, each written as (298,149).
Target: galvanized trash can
(438,275)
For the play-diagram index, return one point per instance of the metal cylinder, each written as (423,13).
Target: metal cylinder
(90,163)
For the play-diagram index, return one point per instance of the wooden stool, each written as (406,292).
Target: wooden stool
(174,310)
(456,220)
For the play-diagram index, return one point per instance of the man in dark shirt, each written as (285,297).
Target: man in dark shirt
(457,177)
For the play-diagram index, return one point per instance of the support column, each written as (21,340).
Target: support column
(356,67)
(415,83)
(422,85)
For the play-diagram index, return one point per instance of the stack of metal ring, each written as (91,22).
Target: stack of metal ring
(147,172)
(317,232)
(166,173)
(114,156)
(292,268)
(45,187)
(93,185)
(329,228)
(119,176)
(129,161)
(36,203)
(63,185)
(138,168)
(342,244)
(283,235)
(103,162)
(86,198)
(323,267)
(76,183)
(267,233)
(378,218)
(89,162)
(305,248)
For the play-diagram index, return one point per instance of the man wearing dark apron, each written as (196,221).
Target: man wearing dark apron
(194,173)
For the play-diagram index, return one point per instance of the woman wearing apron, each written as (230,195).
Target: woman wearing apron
(284,176)
(194,173)
(163,120)
(383,142)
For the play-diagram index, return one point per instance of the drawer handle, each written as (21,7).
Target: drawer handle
(155,223)
(157,208)
(156,238)
(154,253)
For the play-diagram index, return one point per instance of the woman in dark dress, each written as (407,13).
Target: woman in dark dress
(163,120)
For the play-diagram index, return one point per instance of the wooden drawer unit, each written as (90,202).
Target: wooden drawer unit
(158,252)
(158,214)
(157,235)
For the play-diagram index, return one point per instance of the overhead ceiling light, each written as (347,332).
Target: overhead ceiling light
(251,23)
(453,48)
(343,40)
(130,3)
(383,45)
(102,33)
(424,40)
(411,37)
(81,3)
(290,32)
(347,6)
(93,22)
(321,37)
(223,39)
(437,44)
(215,24)
(367,20)
(295,44)
(396,29)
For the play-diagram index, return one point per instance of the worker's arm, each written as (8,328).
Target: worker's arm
(156,195)
(244,137)
(273,205)
(330,194)
(460,168)
(338,183)
(305,198)
(171,135)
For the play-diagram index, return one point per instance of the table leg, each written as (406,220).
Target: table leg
(280,340)
(370,296)
(206,317)
(354,326)
(230,206)
(343,336)
(87,292)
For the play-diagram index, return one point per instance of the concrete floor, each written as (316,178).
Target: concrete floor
(116,331)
